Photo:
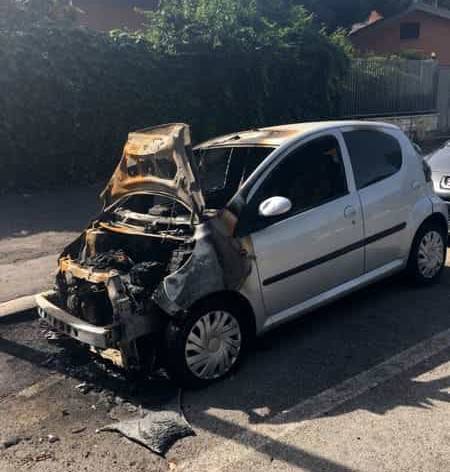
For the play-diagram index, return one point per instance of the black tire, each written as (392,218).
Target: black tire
(414,272)
(177,336)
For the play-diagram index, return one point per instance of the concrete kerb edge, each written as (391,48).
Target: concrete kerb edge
(18,305)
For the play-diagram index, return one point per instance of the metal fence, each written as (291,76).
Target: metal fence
(379,86)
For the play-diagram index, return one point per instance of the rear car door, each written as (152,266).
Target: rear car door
(386,195)
(316,245)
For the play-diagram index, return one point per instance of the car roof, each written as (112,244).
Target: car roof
(275,136)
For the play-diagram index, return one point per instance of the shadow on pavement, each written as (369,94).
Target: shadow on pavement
(292,364)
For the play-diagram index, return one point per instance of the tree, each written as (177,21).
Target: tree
(249,16)
(195,25)
(247,62)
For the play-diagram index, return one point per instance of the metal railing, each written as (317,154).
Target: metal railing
(382,86)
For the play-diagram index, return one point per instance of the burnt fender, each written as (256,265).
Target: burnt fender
(217,263)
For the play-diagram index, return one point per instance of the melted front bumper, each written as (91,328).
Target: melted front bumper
(64,322)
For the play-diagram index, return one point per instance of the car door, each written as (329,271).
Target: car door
(386,194)
(316,246)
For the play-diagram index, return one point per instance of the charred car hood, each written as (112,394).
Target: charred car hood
(157,160)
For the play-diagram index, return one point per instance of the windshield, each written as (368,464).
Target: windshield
(223,170)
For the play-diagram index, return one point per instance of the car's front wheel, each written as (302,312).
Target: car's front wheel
(207,345)
(428,254)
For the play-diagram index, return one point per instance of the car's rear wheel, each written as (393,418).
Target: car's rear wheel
(428,254)
(207,345)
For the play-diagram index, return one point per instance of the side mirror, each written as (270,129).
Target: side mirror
(275,206)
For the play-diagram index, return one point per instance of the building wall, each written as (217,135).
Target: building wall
(106,15)
(384,38)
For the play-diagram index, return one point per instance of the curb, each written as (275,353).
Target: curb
(16,306)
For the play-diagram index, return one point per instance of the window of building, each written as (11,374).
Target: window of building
(374,155)
(410,31)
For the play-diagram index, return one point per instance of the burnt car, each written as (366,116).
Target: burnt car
(196,251)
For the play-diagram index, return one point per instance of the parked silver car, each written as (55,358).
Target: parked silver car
(197,251)
(439,166)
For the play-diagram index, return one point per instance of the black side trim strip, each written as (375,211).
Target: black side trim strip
(335,254)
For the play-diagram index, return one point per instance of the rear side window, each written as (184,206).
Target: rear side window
(374,155)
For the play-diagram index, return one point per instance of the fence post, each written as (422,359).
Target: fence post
(443,98)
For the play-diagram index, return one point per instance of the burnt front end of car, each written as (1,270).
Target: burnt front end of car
(152,253)
(104,289)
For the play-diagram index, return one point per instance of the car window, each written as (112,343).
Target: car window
(213,166)
(310,176)
(374,155)
(223,170)
(248,159)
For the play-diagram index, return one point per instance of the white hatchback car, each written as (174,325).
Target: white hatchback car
(197,251)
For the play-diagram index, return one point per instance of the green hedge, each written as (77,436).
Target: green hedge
(67,99)
(68,96)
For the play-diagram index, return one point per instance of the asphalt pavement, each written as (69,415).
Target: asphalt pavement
(34,228)
(360,385)
(397,418)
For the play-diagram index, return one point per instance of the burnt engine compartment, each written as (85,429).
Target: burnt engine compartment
(141,261)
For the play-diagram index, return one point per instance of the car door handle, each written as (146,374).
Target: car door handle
(350,212)
(416,185)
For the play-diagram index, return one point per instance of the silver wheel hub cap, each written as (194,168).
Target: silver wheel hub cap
(213,345)
(431,254)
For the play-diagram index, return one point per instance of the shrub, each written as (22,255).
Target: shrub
(69,96)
